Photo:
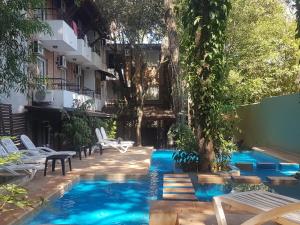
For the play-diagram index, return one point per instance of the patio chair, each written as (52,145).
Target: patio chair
(269,207)
(104,135)
(13,167)
(44,150)
(28,156)
(121,147)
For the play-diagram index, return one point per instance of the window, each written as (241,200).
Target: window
(41,67)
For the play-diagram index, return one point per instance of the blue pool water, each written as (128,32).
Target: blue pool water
(255,157)
(103,202)
(252,157)
(100,202)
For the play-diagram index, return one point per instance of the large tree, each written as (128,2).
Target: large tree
(17,25)
(261,50)
(133,23)
(203,24)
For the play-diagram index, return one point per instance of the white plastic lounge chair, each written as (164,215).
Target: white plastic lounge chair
(104,136)
(44,150)
(269,207)
(28,156)
(13,167)
(121,147)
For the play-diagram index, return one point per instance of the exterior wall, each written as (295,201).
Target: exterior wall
(273,123)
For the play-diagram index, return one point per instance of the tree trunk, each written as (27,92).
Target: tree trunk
(172,53)
(139,126)
(206,149)
(138,81)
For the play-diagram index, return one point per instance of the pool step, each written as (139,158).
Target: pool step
(247,179)
(289,166)
(178,187)
(282,180)
(212,179)
(266,166)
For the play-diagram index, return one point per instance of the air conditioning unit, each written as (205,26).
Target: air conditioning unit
(43,96)
(127,52)
(78,70)
(61,62)
(37,48)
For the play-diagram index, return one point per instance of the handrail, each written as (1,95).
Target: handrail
(62,84)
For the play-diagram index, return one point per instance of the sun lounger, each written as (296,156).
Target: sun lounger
(44,150)
(14,167)
(122,146)
(28,156)
(105,137)
(269,207)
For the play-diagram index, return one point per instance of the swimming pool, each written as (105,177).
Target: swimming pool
(256,157)
(100,202)
(109,202)
(103,201)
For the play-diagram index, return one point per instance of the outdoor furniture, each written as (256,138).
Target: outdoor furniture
(62,159)
(120,146)
(14,167)
(104,136)
(269,207)
(27,156)
(45,150)
(80,150)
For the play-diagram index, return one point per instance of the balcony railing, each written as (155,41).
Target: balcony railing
(62,84)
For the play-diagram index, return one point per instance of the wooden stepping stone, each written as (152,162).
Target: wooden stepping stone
(175,179)
(244,166)
(211,179)
(282,180)
(179,190)
(177,184)
(178,187)
(179,197)
(177,175)
(246,179)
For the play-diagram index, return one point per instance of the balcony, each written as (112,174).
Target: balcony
(63,94)
(96,62)
(62,38)
(82,55)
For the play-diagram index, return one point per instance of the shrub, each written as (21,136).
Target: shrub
(184,139)
(77,131)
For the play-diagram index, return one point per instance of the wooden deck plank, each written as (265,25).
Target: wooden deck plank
(179,197)
(177,184)
(171,179)
(179,190)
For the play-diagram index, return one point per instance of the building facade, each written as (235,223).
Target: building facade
(70,67)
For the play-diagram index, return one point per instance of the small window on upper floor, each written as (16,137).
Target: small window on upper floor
(41,67)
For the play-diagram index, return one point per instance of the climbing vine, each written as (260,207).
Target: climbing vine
(203,24)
